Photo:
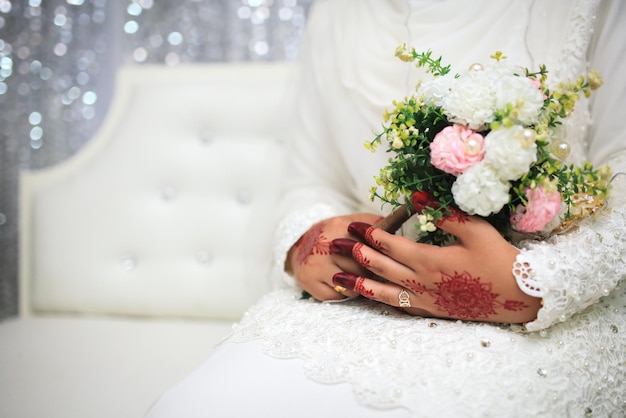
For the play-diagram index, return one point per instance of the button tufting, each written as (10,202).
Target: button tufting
(244,197)
(129,263)
(207,138)
(168,193)
(204,257)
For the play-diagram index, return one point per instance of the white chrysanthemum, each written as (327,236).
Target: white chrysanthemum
(506,153)
(471,100)
(525,97)
(479,191)
(503,68)
(436,90)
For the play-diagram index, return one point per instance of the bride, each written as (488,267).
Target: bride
(368,348)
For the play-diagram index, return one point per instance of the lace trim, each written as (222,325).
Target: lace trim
(526,279)
(598,244)
(599,248)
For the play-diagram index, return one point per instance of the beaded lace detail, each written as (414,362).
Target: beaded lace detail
(392,360)
(567,286)
(573,64)
(574,50)
(572,271)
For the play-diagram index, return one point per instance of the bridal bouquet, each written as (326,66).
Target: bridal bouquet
(489,141)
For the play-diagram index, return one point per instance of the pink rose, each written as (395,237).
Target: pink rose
(456,148)
(541,209)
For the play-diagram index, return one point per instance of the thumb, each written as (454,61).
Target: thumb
(466,228)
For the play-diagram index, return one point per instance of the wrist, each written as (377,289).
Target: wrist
(288,266)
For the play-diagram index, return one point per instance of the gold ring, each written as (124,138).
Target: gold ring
(404,299)
(340,289)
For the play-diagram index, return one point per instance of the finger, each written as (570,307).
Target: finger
(468,229)
(317,279)
(398,248)
(346,293)
(323,291)
(374,261)
(387,293)
(392,222)
(346,264)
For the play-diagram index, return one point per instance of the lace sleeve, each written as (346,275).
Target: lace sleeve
(289,230)
(573,271)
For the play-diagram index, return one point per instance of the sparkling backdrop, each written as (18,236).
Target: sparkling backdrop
(57,64)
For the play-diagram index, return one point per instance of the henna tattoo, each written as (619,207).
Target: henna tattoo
(514,305)
(465,297)
(311,243)
(361,289)
(358,256)
(455,215)
(370,239)
(422,200)
(414,286)
(365,230)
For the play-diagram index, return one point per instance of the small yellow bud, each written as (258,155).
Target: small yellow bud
(403,54)
(498,56)
(595,79)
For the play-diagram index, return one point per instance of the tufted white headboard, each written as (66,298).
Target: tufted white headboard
(168,210)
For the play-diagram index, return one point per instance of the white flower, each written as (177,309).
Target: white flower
(526,98)
(425,223)
(473,97)
(471,100)
(480,191)
(503,68)
(436,90)
(507,154)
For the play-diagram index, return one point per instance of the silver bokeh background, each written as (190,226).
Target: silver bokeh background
(58,60)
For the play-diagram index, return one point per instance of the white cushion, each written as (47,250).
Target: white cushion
(169,210)
(97,367)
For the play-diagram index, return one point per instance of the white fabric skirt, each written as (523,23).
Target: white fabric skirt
(301,358)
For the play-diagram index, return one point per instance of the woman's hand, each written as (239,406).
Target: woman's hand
(470,280)
(313,265)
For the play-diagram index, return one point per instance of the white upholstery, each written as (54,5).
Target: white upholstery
(97,367)
(138,253)
(169,200)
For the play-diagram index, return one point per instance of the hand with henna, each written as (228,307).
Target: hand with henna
(313,265)
(470,280)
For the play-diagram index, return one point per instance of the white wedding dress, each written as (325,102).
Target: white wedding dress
(290,357)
